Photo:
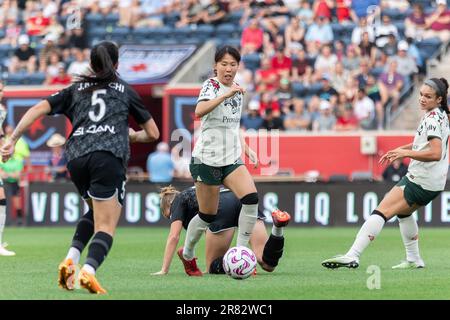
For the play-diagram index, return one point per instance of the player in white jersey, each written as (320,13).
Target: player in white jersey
(425,180)
(3,250)
(216,158)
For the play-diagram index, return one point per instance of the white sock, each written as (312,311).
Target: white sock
(247,220)
(2,222)
(276,231)
(194,232)
(74,254)
(410,231)
(368,232)
(89,269)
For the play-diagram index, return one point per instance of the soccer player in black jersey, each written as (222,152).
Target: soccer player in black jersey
(181,207)
(97,150)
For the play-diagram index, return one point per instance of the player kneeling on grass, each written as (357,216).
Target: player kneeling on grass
(425,180)
(181,207)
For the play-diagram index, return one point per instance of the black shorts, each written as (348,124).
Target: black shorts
(99,175)
(228,213)
(12,188)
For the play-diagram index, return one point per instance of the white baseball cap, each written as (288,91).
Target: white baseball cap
(444,2)
(23,39)
(324,104)
(403,45)
(253,105)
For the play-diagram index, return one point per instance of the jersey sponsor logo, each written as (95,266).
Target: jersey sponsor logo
(225,119)
(94,129)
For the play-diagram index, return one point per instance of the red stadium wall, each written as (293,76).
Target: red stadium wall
(330,154)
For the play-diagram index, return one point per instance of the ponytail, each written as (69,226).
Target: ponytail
(444,102)
(104,59)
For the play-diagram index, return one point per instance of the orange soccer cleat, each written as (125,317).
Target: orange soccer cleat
(66,274)
(280,218)
(89,282)
(190,266)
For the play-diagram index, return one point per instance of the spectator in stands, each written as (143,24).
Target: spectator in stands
(359,8)
(346,120)
(24,56)
(190,13)
(252,38)
(12,33)
(301,69)
(252,119)
(414,52)
(352,60)
(273,10)
(281,63)
(8,12)
(294,32)
(62,78)
(407,66)
(160,166)
(390,48)
(314,107)
(383,30)
(129,12)
(305,12)
(284,94)
(49,8)
(438,22)
(326,120)
(50,48)
(343,11)
(273,38)
(320,32)
(152,13)
(269,101)
(339,77)
(363,74)
(327,92)
(339,50)
(266,78)
(373,92)
(364,110)
(299,118)
(77,39)
(395,171)
(323,8)
(391,84)
(351,89)
(52,65)
(272,121)
(57,164)
(214,13)
(367,49)
(415,23)
(37,24)
(80,65)
(400,5)
(54,28)
(357,33)
(325,61)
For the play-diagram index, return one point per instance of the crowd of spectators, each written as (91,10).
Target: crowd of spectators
(307,64)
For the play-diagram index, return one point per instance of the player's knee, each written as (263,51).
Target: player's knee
(216,267)
(251,198)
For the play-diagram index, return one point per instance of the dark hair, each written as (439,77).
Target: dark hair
(442,84)
(104,58)
(232,51)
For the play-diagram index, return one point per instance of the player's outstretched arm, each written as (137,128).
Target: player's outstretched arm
(171,245)
(34,113)
(149,133)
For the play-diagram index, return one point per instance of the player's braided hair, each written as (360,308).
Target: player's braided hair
(167,194)
(104,59)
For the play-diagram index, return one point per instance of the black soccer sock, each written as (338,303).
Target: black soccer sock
(216,266)
(84,231)
(273,250)
(98,249)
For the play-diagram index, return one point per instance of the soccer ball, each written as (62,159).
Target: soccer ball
(239,262)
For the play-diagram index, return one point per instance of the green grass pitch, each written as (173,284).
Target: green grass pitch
(138,251)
